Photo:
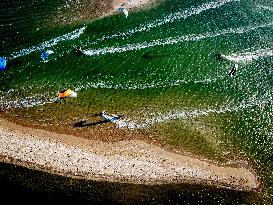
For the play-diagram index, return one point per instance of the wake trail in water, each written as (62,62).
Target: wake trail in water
(249,56)
(170,18)
(172,40)
(48,44)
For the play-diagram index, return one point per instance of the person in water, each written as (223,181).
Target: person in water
(233,70)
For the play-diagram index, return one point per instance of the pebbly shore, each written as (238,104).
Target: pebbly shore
(132,161)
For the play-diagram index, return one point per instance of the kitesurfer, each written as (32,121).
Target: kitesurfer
(233,70)
(109,117)
(124,10)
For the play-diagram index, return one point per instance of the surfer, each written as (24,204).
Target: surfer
(233,70)
(124,10)
(109,117)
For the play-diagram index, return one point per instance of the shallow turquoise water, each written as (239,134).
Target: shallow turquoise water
(156,66)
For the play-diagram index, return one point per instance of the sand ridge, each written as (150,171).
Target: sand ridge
(132,161)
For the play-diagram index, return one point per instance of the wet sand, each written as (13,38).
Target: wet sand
(87,10)
(132,161)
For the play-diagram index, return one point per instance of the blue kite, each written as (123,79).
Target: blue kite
(3,64)
(44,55)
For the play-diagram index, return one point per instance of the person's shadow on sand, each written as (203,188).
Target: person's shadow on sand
(105,118)
(84,123)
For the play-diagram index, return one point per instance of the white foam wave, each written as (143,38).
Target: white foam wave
(47,44)
(130,85)
(126,85)
(249,56)
(171,40)
(185,114)
(171,18)
(269,8)
(27,102)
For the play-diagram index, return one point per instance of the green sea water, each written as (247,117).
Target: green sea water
(158,67)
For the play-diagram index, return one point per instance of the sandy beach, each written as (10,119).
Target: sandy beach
(132,161)
(86,10)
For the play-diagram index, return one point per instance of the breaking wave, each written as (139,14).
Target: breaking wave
(185,114)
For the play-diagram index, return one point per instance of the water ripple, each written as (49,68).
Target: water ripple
(170,18)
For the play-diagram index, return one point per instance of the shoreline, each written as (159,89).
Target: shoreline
(131,161)
(89,10)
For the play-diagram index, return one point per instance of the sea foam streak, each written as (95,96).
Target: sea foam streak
(171,40)
(265,7)
(180,114)
(134,85)
(249,56)
(27,102)
(170,18)
(47,44)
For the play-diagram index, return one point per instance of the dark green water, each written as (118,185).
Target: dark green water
(157,67)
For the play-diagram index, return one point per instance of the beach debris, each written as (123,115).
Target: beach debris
(67,94)
(3,63)
(44,55)
(124,10)
(233,70)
